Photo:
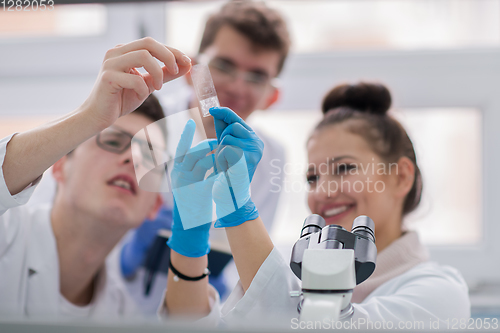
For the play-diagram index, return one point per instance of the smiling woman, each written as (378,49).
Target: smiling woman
(354,141)
(356,134)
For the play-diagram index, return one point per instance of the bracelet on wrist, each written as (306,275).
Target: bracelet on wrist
(178,275)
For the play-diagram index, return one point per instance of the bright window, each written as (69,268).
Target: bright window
(318,26)
(72,20)
(448,144)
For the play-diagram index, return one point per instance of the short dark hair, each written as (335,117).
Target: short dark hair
(369,103)
(262,25)
(151,108)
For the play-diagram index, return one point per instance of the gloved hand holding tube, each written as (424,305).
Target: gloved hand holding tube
(192,215)
(238,155)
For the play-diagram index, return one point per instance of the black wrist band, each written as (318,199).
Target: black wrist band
(179,275)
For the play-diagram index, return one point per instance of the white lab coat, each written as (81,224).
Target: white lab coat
(29,264)
(426,293)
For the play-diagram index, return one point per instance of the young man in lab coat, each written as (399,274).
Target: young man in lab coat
(52,259)
(245,45)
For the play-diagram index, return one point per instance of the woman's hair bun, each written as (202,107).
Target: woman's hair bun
(373,98)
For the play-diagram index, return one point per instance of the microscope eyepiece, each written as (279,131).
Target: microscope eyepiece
(315,234)
(313,223)
(364,226)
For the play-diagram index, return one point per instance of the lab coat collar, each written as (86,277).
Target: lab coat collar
(400,256)
(42,266)
(43,292)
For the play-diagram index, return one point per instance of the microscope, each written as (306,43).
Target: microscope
(331,261)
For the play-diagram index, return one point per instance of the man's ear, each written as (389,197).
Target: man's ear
(156,208)
(272,98)
(58,169)
(405,175)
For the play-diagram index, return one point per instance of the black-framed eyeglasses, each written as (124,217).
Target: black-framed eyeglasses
(117,140)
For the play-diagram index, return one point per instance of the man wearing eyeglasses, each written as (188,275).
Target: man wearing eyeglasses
(245,45)
(53,258)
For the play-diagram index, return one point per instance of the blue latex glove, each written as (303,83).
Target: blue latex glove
(192,216)
(238,155)
(134,252)
(231,130)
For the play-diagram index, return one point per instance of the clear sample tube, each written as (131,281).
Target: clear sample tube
(204,88)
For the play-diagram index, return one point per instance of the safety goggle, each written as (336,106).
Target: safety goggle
(227,71)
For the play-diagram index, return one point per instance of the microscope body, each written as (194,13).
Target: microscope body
(331,261)
(328,278)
